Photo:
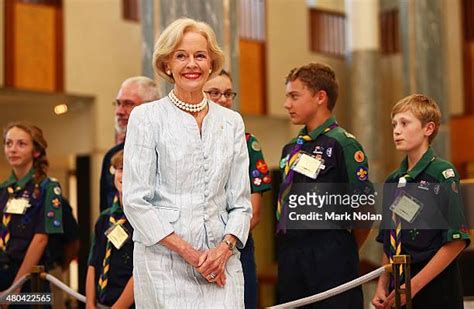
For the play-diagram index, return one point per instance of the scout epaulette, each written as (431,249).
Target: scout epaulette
(53,211)
(355,158)
(343,137)
(11,180)
(446,174)
(443,170)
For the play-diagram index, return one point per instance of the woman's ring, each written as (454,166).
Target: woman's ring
(212,276)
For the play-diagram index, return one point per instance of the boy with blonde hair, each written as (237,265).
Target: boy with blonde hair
(423,211)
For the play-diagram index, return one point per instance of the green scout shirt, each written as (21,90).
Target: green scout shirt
(346,166)
(344,158)
(44,215)
(433,183)
(260,179)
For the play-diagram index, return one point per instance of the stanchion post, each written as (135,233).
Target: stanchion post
(36,282)
(396,276)
(402,261)
(408,283)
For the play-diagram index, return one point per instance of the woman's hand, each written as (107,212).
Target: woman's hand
(212,263)
(192,256)
(183,248)
(220,280)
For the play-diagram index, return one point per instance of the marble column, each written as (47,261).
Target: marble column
(363,61)
(221,15)
(363,56)
(423,38)
(147,14)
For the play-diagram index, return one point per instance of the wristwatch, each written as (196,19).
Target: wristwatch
(229,244)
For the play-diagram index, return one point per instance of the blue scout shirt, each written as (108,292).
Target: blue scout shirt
(345,168)
(435,183)
(121,260)
(322,256)
(44,215)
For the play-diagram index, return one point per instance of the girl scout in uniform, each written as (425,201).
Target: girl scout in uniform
(423,203)
(30,204)
(219,90)
(109,276)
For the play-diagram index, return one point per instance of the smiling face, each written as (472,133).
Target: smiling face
(409,135)
(190,64)
(19,149)
(219,86)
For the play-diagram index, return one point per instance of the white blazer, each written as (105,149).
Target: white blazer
(196,184)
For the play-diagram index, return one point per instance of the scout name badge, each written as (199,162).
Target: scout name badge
(406,207)
(17,206)
(308,165)
(117,235)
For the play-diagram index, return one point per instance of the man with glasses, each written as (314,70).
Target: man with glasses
(133,92)
(219,90)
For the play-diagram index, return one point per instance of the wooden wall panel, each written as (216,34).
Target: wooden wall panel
(35,64)
(327,32)
(468,55)
(33,45)
(469,78)
(252,77)
(462,136)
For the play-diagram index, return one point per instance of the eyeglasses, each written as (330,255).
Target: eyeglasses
(125,104)
(216,94)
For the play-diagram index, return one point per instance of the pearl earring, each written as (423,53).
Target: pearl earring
(210,71)
(168,72)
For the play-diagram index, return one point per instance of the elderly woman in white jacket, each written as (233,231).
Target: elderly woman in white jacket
(185,182)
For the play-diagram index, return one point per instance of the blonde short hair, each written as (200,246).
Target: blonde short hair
(423,107)
(172,36)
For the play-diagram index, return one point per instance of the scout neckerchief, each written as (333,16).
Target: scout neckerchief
(118,220)
(396,230)
(288,173)
(14,186)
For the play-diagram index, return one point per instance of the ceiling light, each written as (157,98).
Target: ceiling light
(60,109)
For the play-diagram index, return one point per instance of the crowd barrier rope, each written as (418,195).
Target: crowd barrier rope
(292,304)
(15,286)
(336,290)
(53,280)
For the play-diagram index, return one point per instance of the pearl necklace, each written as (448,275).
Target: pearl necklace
(192,108)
